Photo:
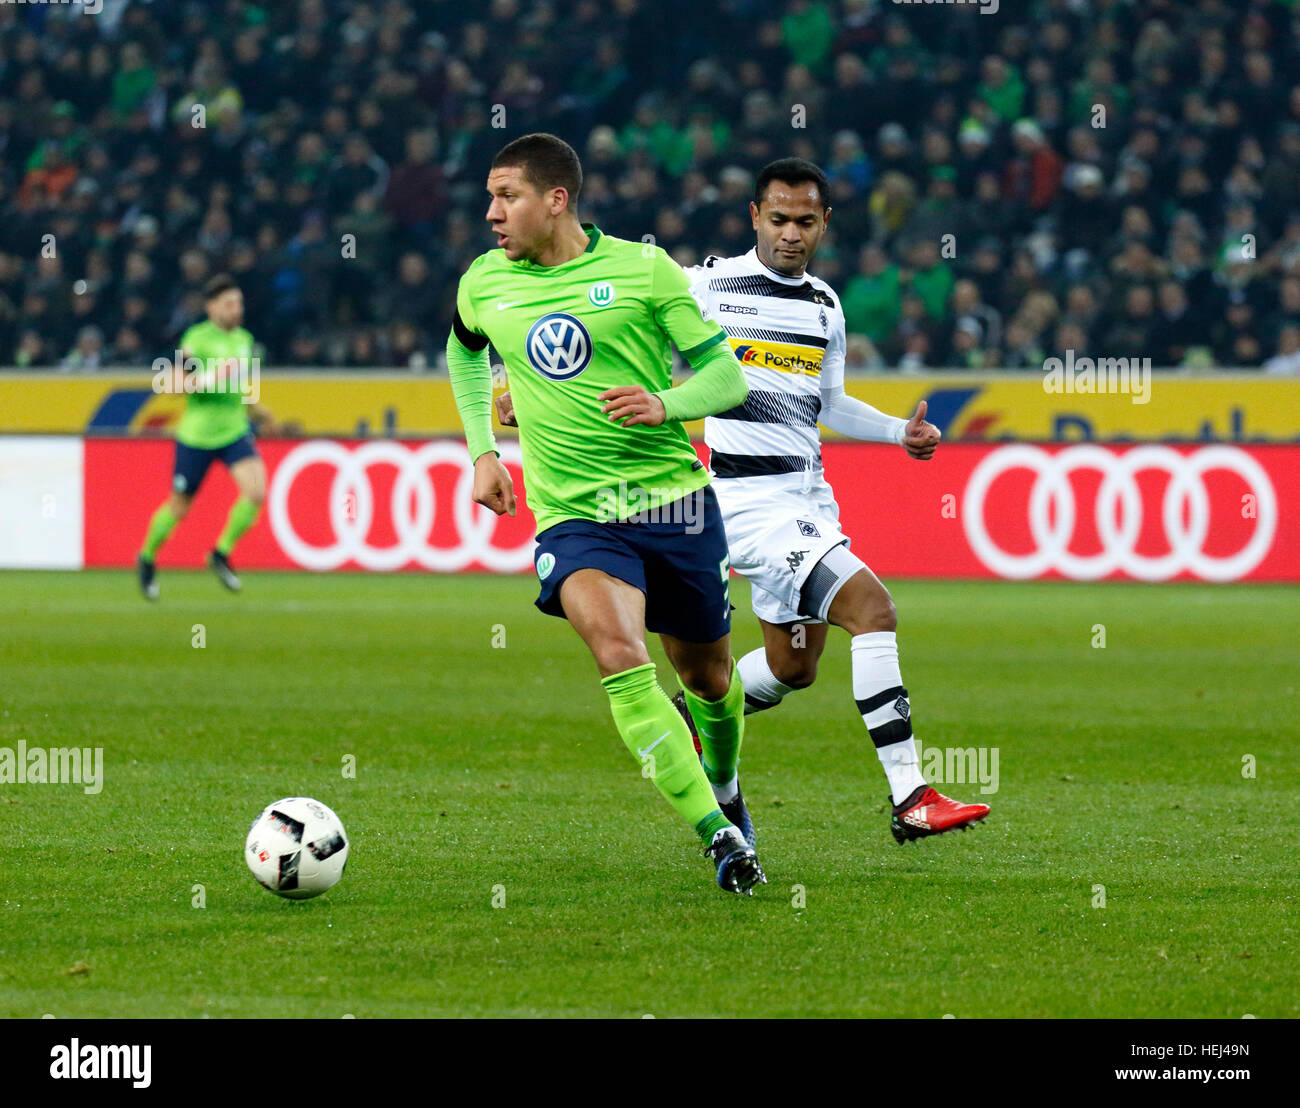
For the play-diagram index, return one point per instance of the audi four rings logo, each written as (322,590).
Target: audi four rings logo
(413,507)
(1053,512)
(559,346)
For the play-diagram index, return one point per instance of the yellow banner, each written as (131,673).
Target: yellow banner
(967,407)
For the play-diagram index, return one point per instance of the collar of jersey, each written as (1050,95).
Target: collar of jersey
(593,233)
(753,258)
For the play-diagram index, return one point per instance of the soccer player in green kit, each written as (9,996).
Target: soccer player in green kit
(629,534)
(214,427)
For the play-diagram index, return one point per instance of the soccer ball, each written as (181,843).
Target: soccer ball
(297,848)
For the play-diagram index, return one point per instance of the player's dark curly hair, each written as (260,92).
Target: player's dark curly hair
(548,162)
(792,171)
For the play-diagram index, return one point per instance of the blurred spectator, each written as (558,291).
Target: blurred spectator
(332,154)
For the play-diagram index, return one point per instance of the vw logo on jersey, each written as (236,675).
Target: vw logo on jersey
(559,346)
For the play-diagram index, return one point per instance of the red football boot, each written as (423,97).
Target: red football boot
(926,812)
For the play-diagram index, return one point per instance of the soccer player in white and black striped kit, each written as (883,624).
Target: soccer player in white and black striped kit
(782,522)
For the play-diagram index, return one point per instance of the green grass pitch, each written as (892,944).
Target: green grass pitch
(486,770)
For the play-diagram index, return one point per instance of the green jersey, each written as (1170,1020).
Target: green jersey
(566,334)
(216,414)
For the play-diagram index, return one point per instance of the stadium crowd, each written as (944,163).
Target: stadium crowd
(1101,176)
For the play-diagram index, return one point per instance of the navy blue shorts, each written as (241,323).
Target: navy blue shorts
(680,562)
(192,462)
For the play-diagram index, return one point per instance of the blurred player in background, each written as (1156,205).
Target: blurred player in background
(782,522)
(215,374)
(629,535)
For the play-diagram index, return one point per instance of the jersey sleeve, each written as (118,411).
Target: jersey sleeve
(698,279)
(466,324)
(832,374)
(677,312)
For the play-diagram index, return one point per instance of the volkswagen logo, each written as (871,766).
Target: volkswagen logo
(558,346)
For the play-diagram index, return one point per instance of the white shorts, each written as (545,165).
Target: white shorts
(775,537)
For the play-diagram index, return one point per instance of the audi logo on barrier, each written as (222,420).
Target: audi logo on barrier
(413,507)
(1053,495)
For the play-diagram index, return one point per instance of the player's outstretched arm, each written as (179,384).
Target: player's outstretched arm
(719,381)
(718,384)
(470,371)
(852,417)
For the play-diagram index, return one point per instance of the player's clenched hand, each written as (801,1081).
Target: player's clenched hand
(492,485)
(920,439)
(506,410)
(631,404)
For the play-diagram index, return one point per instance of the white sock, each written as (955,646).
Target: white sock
(725,794)
(882,700)
(762,689)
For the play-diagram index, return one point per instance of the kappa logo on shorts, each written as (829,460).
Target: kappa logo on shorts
(795,559)
(807,530)
(545,564)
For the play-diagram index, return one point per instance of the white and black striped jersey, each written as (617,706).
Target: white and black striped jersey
(788,333)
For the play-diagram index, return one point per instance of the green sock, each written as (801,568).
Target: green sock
(243,514)
(721,724)
(160,526)
(657,736)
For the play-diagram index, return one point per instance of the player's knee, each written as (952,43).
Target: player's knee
(707,681)
(180,505)
(875,613)
(796,672)
(617,655)
(255,496)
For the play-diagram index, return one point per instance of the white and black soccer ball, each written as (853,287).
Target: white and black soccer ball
(297,848)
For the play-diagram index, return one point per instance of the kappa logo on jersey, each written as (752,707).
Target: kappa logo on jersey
(558,346)
(807,530)
(739,309)
(795,560)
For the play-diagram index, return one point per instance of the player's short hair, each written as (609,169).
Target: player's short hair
(792,171)
(222,282)
(548,162)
